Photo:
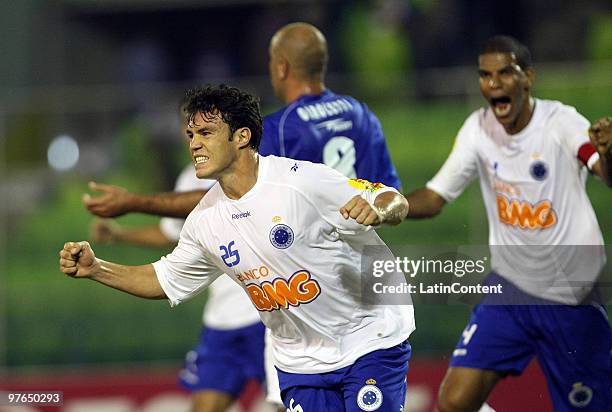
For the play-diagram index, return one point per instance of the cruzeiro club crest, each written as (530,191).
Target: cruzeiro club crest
(539,170)
(369,398)
(281,236)
(581,395)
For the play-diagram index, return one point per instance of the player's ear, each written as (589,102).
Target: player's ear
(283,69)
(530,73)
(243,137)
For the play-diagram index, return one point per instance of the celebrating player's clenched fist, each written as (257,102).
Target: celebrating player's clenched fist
(601,135)
(77,259)
(387,208)
(361,210)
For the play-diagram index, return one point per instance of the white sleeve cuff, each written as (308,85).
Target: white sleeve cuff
(592,160)
(160,272)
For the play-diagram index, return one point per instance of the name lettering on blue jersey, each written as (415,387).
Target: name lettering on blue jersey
(229,253)
(342,133)
(319,111)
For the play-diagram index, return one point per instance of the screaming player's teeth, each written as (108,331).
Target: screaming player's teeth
(502,109)
(501,106)
(201,159)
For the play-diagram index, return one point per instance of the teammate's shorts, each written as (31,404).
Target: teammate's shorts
(375,382)
(572,343)
(225,360)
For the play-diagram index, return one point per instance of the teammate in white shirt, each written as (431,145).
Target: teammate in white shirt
(230,350)
(293,235)
(530,156)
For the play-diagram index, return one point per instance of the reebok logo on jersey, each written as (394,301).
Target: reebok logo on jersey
(269,296)
(241,215)
(524,215)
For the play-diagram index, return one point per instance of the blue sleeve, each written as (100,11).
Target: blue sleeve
(292,138)
(269,144)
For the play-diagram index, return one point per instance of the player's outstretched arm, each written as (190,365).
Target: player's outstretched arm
(389,208)
(424,203)
(600,134)
(77,260)
(108,231)
(116,201)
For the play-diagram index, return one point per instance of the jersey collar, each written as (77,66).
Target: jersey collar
(307,98)
(262,171)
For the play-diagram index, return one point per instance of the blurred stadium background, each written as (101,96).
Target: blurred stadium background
(90,91)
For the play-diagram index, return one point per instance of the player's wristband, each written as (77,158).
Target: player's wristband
(592,160)
(371,195)
(588,155)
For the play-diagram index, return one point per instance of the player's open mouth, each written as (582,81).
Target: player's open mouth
(200,159)
(501,105)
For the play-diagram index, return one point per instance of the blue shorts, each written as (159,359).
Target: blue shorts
(225,360)
(375,382)
(572,343)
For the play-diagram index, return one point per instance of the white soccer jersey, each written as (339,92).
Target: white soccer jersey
(533,187)
(227,306)
(286,243)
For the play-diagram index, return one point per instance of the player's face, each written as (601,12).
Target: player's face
(506,87)
(209,143)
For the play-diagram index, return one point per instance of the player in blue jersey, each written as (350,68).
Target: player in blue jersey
(316,124)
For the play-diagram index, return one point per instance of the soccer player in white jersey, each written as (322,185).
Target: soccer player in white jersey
(530,155)
(293,234)
(230,350)
(348,137)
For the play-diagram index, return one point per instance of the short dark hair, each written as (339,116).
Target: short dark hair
(236,108)
(313,63)
(508,44)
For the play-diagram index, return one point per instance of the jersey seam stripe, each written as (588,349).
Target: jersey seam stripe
(281,127)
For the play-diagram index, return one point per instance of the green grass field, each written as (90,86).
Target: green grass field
(53,319)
